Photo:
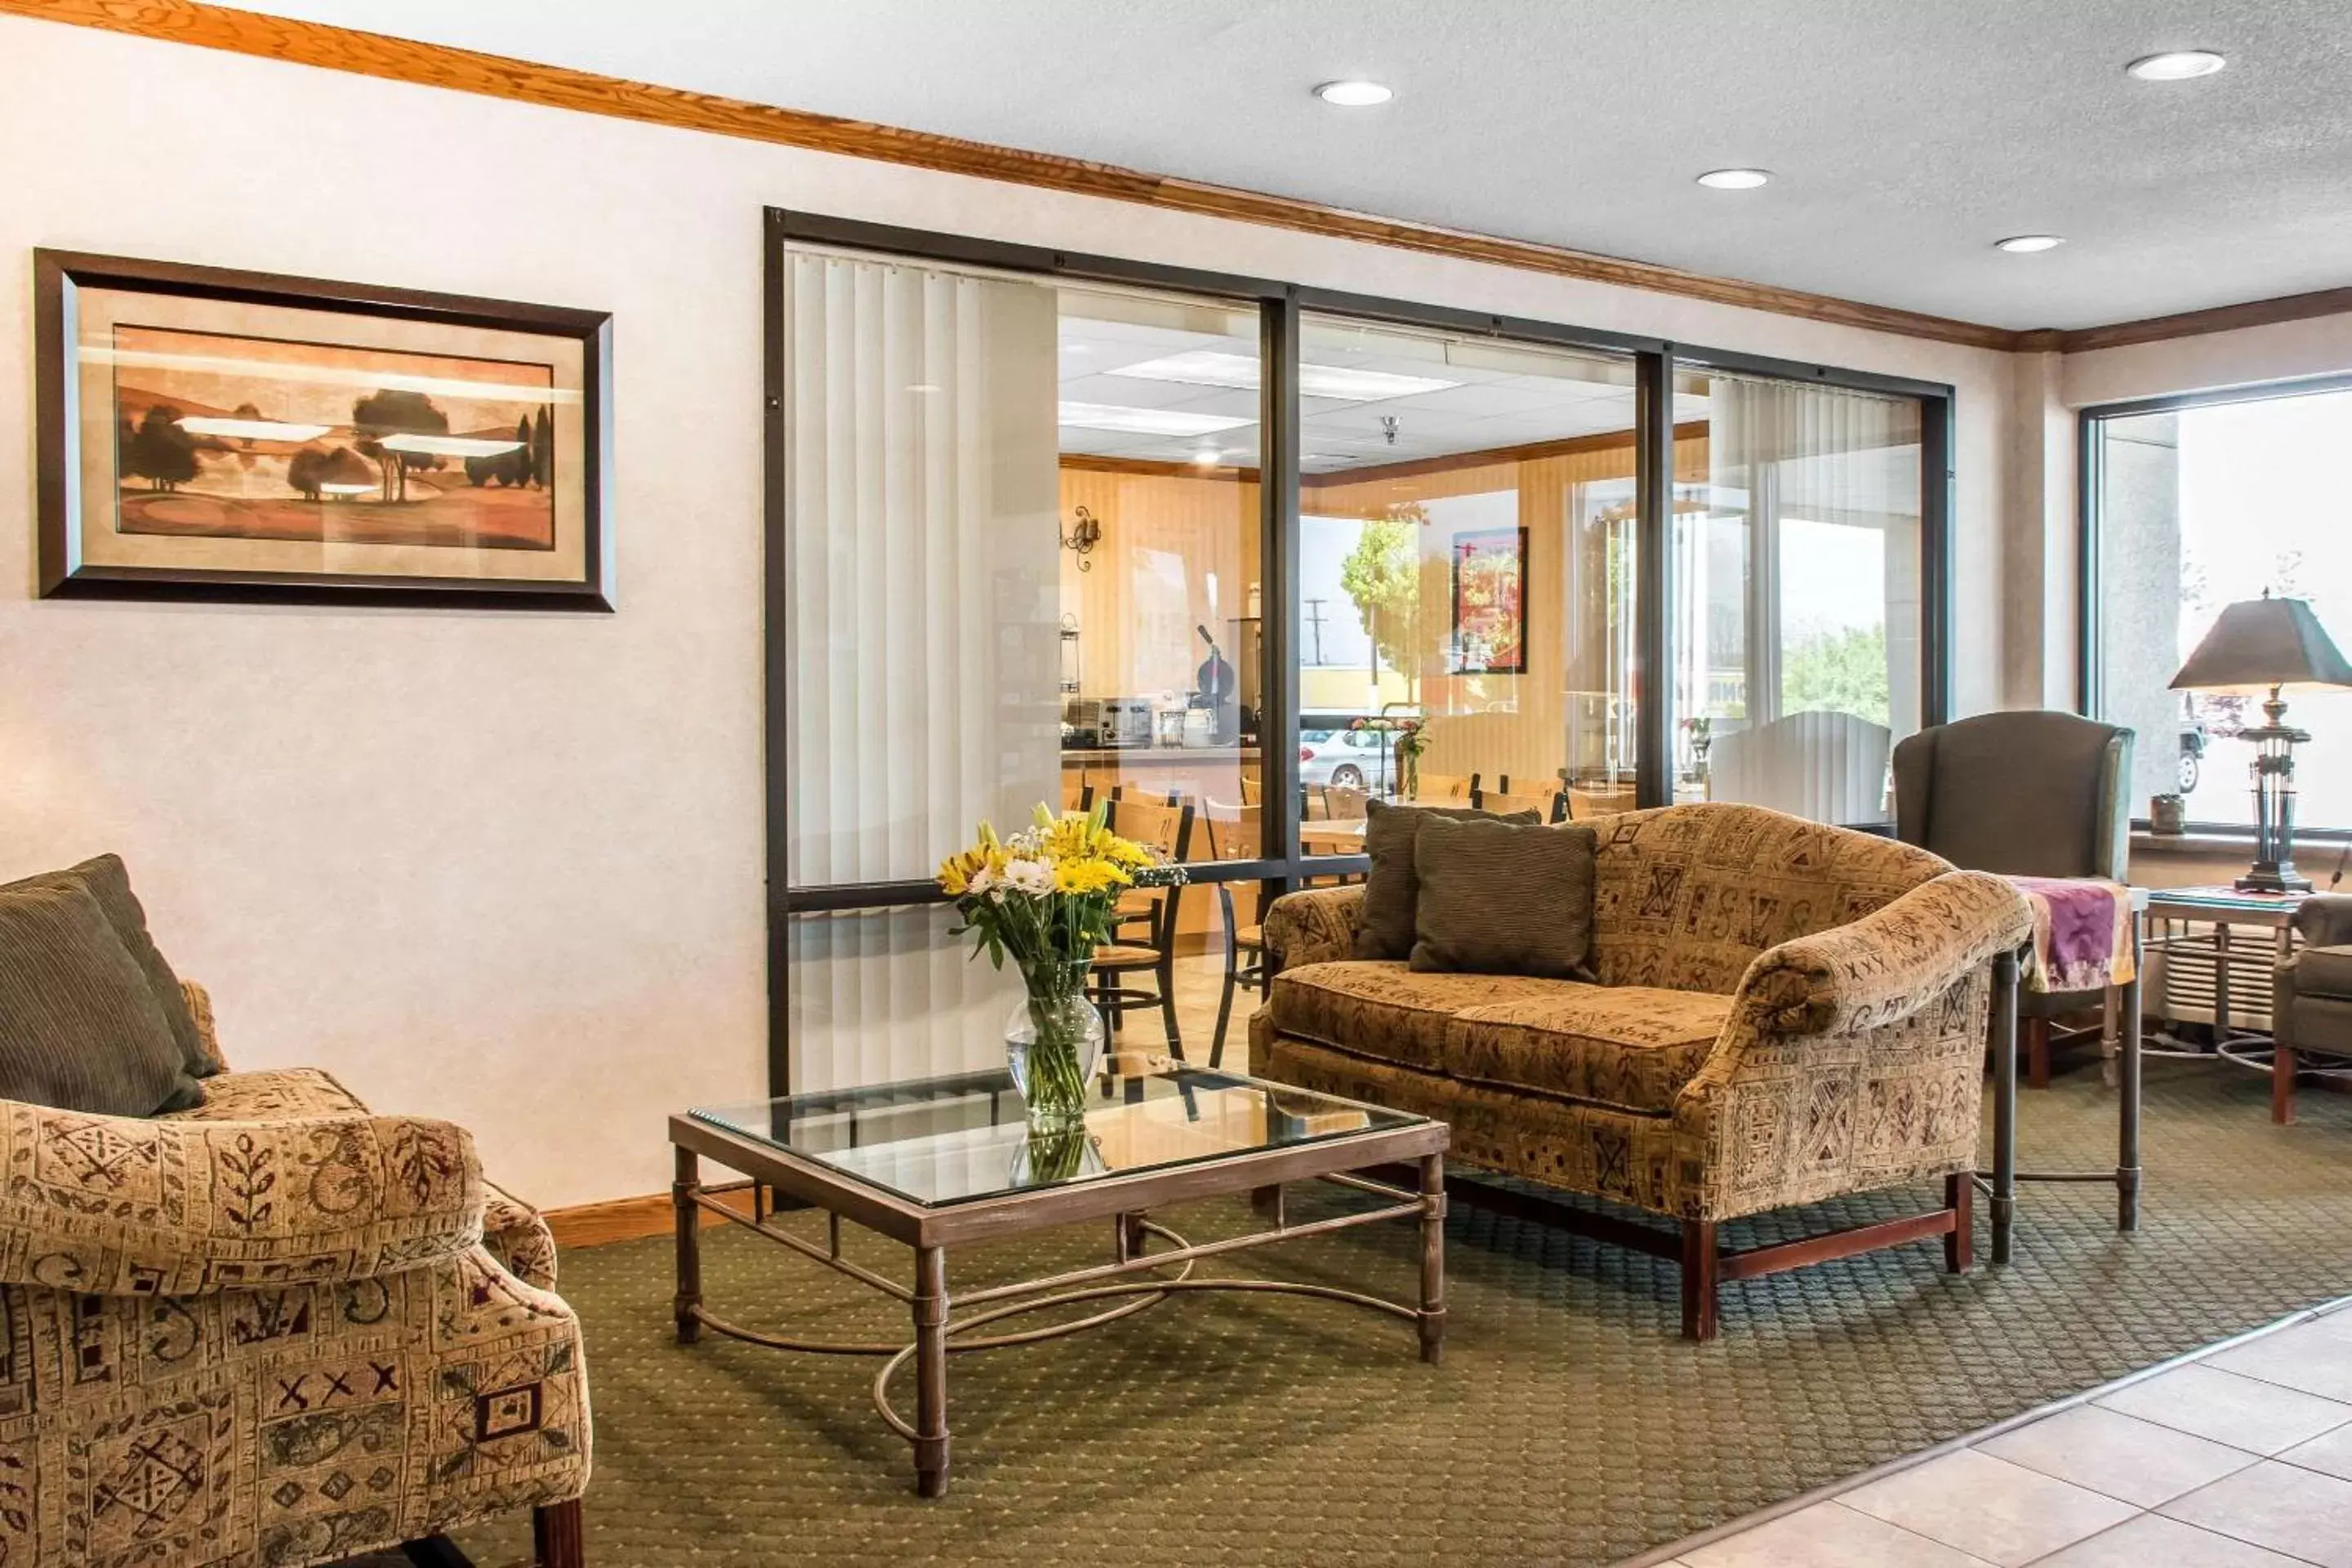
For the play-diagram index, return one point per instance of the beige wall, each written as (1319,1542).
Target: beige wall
(509,867)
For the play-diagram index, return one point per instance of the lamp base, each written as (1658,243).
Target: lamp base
(2268,878)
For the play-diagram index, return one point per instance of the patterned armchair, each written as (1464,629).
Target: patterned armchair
(1786,1013)
(273,1330)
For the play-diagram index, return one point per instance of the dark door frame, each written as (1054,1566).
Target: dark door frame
(1280,305)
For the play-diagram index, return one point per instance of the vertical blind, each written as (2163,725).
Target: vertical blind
(923,637)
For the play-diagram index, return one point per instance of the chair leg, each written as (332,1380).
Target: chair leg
(556,1537)
(1700,1262)
(1225,1015)
(2037,1052)
(1167,972)
(1959,1242)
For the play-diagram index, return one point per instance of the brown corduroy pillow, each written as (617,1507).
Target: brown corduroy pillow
(109,881)
(1496,897)
(80,1029)
(1386,931)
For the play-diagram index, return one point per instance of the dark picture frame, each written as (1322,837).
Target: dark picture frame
(1467,546)
(559,551)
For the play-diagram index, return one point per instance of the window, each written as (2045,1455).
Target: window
(1466,549)
(1060,530)
(2196,503)
(1021,569)
(1798,532)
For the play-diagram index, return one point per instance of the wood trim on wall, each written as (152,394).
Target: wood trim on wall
(1155,468)
(634,1219)
(494,76)
(2193,323)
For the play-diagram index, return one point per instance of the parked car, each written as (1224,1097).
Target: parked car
(1353,759)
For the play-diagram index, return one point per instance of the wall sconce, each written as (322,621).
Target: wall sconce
(1085,533)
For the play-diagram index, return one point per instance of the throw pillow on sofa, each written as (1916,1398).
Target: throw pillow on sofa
(108,880)
(1496,897)
(1388,834)
(80,1029)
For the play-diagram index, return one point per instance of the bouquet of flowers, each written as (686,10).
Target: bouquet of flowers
(1044,899)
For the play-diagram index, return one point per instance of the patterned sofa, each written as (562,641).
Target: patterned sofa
(1786,1013)
(273,1330)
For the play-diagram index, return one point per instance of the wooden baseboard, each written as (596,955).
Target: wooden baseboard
(634,1219)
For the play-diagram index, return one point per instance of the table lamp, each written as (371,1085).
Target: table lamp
(2262,648)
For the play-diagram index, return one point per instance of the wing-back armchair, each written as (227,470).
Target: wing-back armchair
(2031,793)
(273,1329)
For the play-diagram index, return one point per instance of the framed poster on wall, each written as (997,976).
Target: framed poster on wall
(1490,630)
(207,434)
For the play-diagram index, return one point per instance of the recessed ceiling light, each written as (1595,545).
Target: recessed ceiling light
(2176,65)
(2026,243)
(1145,421)
(1734,178)
(1211,367)
(1354,93)
(1207,457)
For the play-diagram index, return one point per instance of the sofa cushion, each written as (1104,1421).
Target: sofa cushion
(1386,929)
(80,1029)
(108,880)
(2323,972)
(1630,1047)
(1381,1008)
(1501,897)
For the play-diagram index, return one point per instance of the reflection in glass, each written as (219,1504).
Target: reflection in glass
(1465,563)
(1797,613)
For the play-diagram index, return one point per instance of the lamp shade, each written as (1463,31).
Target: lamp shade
(2257,644)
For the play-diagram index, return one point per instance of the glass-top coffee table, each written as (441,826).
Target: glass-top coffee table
(939,1162)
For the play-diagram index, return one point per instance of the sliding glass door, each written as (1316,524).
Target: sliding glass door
(1799,610)
(1467,562)
(1020,569)
(1060,530)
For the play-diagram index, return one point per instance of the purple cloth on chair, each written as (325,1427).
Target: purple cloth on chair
(2081,929)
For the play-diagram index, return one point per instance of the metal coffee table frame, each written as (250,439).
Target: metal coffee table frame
(1133,1272)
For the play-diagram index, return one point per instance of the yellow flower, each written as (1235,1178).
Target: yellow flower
(1090,874)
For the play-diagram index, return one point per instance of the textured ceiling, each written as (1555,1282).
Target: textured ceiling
(1906,135)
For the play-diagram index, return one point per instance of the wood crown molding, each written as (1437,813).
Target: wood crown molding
(587,92)
(466,70)
(2197,323)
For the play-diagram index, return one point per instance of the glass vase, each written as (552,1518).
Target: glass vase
(1052,1041)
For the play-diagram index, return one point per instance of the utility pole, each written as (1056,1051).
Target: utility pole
(1315,624)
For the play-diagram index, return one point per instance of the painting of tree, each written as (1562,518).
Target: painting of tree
(396,412)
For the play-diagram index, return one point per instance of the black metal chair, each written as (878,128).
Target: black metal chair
(1239,838)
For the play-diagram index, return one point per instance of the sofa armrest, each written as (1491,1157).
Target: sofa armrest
(1880,969)
(1315,926)
(105,1206)
(2325,919)
(200,1007)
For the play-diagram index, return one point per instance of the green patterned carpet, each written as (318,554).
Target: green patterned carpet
(1569,1425)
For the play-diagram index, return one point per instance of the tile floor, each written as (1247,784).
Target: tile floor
(2240,1459)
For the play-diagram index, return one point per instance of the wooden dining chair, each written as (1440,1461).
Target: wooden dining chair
(1444,787)
(1120,965)
(1548,807)
(1236,834)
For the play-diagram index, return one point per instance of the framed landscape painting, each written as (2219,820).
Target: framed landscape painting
(217,435)
(1490,630)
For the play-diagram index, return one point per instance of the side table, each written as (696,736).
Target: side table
(2221,908)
